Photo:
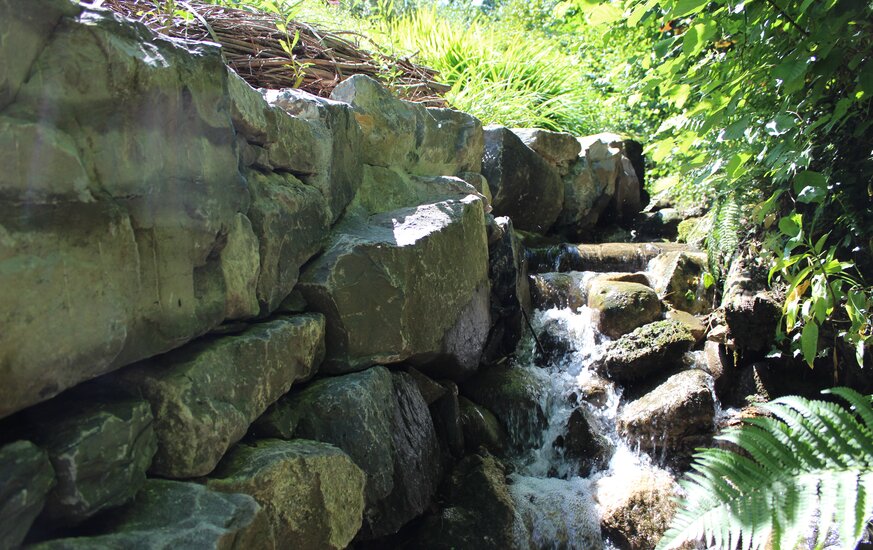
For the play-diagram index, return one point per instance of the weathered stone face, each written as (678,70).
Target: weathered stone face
(649,349)
(27,476)
(559,149)
(409,136)
(386,189)
(677,414)
(621,307)
(291,222)
(173,514)
(120,189)
(481,428)
(310,492)
(205,395)
(383,423)
(395,286)
(525,187)
(678,278)
(636,507)
(100,451)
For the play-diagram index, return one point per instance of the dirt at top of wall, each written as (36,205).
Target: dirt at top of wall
(296,55)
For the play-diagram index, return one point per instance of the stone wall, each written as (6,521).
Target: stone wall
(180,255)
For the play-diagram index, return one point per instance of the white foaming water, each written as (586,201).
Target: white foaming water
(555,507)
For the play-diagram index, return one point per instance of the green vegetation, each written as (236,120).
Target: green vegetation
(813,462)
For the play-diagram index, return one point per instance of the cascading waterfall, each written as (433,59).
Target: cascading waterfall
(555,493)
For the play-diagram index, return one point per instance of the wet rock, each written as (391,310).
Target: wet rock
(206,394)
(310,492)
(27,476)
(621,307)
(675,416)
(479,512)
(481,428)
(382,422)
(291,222)
(583,444)
(694,323)
(559,290)
(407,135)
(639,278)
(408,285)
(552,344)
(678,278)
(757,383)
(173,514)
(627,257)
(594,390)
(559,149)
(627,201)
(510,290)
(525,187)
(447,421)
(430,390)
(649,349)
(121,237)
(636,507)
(100,451)
(515,396)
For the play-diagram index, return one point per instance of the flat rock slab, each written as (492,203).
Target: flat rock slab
(100,451)
(524,186)
(625,257)
(647,350)
(27,478)
(406,285)
(173,514)
(674,416)
(206,394)
(311,493)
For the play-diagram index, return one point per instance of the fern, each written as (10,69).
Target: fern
(812,462)
(724,239)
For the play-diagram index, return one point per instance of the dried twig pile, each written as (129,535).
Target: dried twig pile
(271,55)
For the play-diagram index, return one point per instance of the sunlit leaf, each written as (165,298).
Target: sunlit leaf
(809,342)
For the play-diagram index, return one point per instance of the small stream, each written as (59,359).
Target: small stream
(554,490)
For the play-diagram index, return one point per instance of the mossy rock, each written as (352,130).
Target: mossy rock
(647,350)
(620,307)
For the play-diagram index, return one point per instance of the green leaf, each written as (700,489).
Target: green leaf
(790,226)
(708,280)
(810,186)
(603,14)
(681,8)
(809,341)
(639,12)
(780,125)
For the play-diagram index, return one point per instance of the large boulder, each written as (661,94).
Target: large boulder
(559,149)
(751,310)
(678,279)
(382,422)
(516,397)
(677,415)
(205,395)
(120,188)
(621,307)
(100,450)
(525,187)
(27,478)
(636,507)
(652,348)
(173,514)
(291,222)
(385,189)
(311,493)
(629,197)
(408,135)
(408,285)
(479,511)
(582,444)
(589,186)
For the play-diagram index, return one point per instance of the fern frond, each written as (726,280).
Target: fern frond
(813,461)
(724,239)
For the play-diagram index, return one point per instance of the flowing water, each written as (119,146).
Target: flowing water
(555,494)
